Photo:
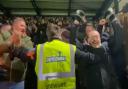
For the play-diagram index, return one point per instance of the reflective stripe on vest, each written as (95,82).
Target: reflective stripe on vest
(56,75)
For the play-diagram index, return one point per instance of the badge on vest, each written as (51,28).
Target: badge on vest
(57,58)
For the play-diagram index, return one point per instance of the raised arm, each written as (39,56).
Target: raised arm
(24,54)
(87,57)
(116,41)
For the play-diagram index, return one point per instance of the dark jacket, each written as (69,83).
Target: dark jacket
(88,72)
(118,54)
(101,75)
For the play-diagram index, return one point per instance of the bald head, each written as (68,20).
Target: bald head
(93,33)
(94,39)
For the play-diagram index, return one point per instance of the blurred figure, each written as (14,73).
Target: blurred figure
(117,47)
(65,35)
(89,27)
(123,17)
(102,26)
(103,71)
(73,27)
(16,67)
(59,23)
(4,63)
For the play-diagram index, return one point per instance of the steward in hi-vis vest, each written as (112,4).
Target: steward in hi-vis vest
(55,66)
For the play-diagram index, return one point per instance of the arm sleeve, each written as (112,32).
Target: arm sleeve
(116,41)
(87,57)
(21,53)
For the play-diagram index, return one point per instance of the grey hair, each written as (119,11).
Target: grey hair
(17,19)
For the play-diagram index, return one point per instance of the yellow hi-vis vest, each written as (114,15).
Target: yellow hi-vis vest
(55,66)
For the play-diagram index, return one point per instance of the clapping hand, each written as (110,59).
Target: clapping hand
(15,39)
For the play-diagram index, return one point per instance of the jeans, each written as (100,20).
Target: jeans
(19,85)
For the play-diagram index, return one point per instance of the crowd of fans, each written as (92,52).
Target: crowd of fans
(78,32)
(36,26)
